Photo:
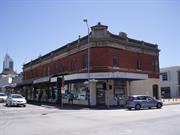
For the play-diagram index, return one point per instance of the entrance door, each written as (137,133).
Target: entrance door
(100,93)
(155,91)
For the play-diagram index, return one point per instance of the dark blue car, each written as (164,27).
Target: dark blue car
(142,101)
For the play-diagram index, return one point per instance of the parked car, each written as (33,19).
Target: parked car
(16,100)
(142,101)
(3,97)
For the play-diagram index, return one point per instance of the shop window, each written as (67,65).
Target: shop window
(48,93)
(34,94)
(119,88)
(115,60)
(164,76)
(79,92)
(85,61)
(54,93)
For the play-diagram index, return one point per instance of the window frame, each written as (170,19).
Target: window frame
(138,64)
(164,76)
(85,60)
(73,64)
(115,60)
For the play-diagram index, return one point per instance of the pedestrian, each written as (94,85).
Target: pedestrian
(71,98)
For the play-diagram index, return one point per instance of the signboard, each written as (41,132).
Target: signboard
(9,80)
(107,75)
(62,90)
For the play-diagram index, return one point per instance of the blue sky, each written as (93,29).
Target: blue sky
(29,28)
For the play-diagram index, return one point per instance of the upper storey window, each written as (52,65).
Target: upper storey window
(59,67)
(115,60)
(138,64)
(164,76)
(85,61)
(155,66)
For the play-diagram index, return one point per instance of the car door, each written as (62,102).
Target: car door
(143,101)
(150,102)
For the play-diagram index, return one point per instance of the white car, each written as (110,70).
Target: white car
(16,100)
(3,97)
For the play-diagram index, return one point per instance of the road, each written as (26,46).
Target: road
(42,120)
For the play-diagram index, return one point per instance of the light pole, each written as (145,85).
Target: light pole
(86,21)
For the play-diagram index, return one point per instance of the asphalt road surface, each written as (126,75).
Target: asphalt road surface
(43,120)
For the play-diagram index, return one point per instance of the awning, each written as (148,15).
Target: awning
(42,79)
(106,76)
(26,82)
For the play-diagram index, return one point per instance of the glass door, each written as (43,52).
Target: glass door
(100,93)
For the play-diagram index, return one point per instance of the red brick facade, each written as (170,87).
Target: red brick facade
(101,59)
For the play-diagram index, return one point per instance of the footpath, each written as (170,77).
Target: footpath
(171,101)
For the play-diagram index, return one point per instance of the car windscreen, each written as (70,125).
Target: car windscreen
(2,94)
(17,96)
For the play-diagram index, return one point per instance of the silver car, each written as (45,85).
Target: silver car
(3,97)
(16,100)
(142,101)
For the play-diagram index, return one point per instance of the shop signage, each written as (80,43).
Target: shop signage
(107,75)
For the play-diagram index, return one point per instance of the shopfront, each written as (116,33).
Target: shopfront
(105,89)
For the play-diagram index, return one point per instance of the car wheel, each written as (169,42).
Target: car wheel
(24,105)
(138,107)
(159,105)
(129,108)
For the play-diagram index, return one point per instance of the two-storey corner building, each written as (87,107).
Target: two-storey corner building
(118,66)
(170,82)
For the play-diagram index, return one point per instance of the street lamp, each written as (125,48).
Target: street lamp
(86,21)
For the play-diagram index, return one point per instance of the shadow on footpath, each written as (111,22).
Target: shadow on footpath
(76,107)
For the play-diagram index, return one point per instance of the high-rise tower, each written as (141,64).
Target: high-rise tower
(8,65)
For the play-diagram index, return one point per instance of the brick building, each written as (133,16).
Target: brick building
(119,66)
